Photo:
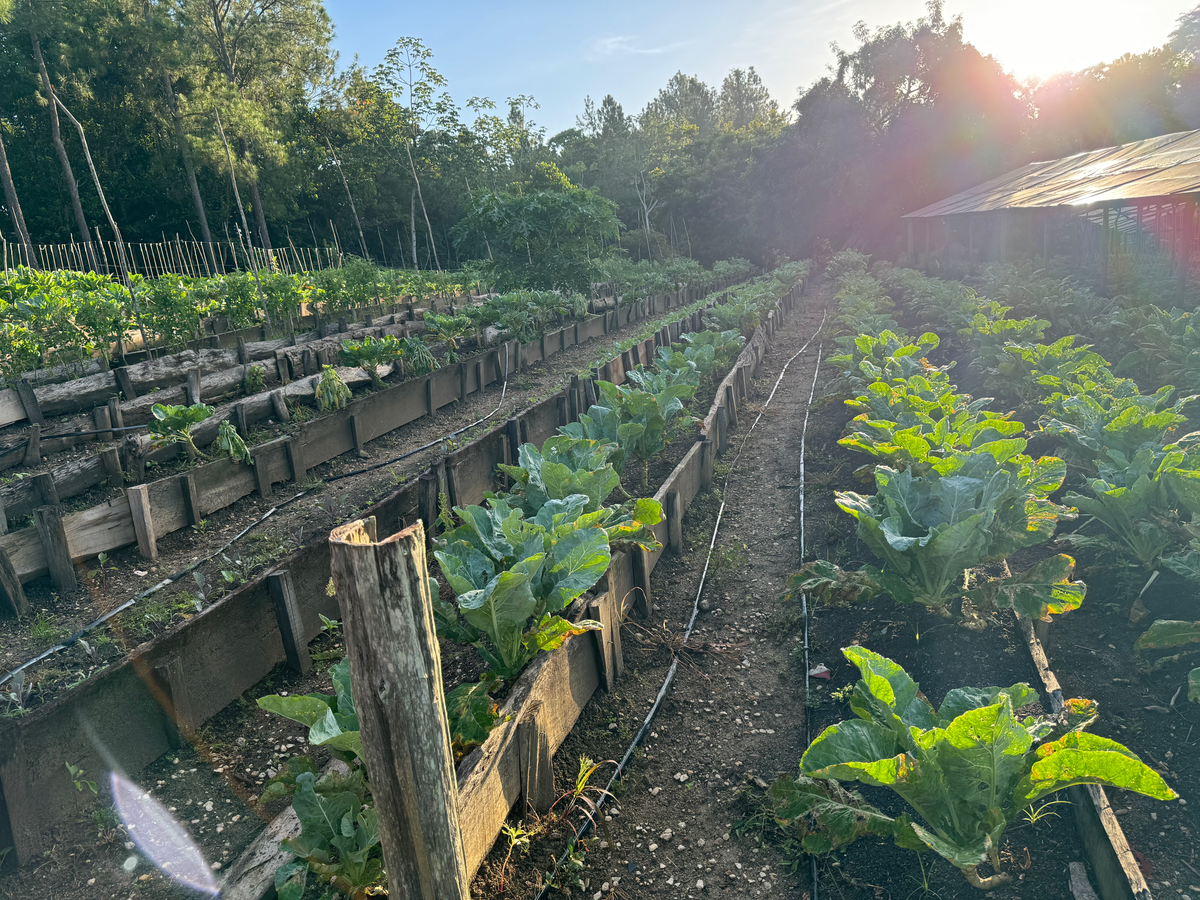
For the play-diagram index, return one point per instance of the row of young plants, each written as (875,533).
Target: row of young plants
(515,565)
(956,496)
(1135,469)
(67,318)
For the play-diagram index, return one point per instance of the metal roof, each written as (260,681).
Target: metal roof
(1156,167)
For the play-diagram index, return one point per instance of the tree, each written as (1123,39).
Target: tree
(547,234)
(743,99)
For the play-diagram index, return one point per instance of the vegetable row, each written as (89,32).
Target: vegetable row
(956,496)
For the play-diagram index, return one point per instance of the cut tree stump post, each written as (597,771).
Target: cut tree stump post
(193,384)
(239,418)
(29,402)
(191,498)
(10,587)
(396,676)
(48,520)
(537,769)
(125,383)
(143,522)
(291,627)
(33,446)
(111,460)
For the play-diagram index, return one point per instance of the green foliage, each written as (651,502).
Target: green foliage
(230,443)
(370,353)
(332,721)
(644,418)
(966,510)
(541,239)
(451,331)
(967,769)
(331,392)
(564,466)
(173,424)
(256,377)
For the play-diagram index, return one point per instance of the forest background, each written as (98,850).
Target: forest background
(171,94)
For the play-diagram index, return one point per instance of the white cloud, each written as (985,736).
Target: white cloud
(625,45)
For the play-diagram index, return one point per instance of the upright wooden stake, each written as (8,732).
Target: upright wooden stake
(143,522)
(291,627)
(396,675)
(28,399)
(537,770)
(33,446)
(191,498)
(111,460)
(10,587)
(54,542)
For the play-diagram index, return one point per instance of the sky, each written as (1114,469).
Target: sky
(563,52)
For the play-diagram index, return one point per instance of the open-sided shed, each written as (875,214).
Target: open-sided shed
(1137,198)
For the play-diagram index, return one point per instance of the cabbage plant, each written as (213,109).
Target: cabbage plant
(966,769)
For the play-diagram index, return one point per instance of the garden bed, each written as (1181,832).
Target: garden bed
(161,666)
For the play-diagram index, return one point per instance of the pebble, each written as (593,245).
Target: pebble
(653,847)
(666,835)
(655,791)
(699,884)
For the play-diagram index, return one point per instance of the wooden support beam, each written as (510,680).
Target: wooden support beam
(102,423)
(29,402)
(479,374)
(3,518)
(343,325)
(387,615)
(10,587)
(295,454)
(707,460)
(242,353)
(262,474)
(43,483)
(191,498)
(357,429)
(167,682)
(193,385)
(33,445)
(111,460)
(114,414)
(512,431)
(605,609)
(672,513)
(573,394)
(561,409)
(427,501)
(730,406)
(48,520)
(643,602)
(125,383)
(291,626)
(143,521)
(537,769)
(462,381)
(282,367)
(722,435)
(430,409)
(240,421)
(279,406)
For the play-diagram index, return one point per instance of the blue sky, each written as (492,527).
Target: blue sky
(562,52)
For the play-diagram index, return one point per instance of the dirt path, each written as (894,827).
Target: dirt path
(735,711)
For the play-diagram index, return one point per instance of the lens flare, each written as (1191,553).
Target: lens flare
(161,837)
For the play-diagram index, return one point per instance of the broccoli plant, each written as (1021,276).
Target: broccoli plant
(173,424)
(967,769)
(331,392)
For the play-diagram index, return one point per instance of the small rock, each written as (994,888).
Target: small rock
(653,847)
(666,835)
(612,726)
(654,791)
(699,884)
(241,742)
(91,881)
(705,606)
(605,886)
(216,866)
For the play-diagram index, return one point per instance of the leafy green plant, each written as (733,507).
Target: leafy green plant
(451,331)
(1166,634)
(256,377)
(99,575)
(968,509)
(173,424)
(370,353)
(331,392)
(968,769)
(79,779)
(644,418)
(230,443)
(564,466)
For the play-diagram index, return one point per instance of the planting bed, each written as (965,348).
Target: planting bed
(155,659)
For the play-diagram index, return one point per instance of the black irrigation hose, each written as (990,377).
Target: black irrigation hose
(171,579)
(662,692)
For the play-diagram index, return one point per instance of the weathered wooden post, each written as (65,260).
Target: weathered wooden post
(396,674)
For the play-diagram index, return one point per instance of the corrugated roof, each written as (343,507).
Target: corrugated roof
(1156,167)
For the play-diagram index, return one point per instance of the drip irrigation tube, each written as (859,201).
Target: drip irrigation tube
(662,692)
(804,596)
(171,579)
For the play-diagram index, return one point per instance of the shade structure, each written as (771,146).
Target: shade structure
(1162,167)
